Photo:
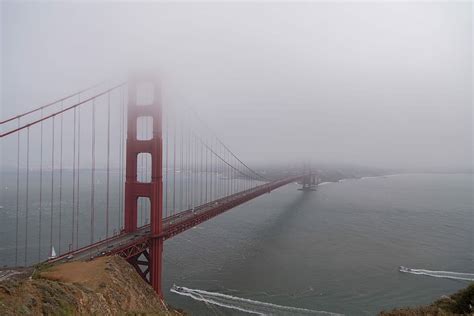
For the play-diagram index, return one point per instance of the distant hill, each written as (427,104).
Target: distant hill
(460,303)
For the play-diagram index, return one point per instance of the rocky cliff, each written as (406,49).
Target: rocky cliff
(104,286)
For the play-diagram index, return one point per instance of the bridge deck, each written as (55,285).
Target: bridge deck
(128,245)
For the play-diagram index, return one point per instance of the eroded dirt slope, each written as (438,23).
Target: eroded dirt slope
(104,286)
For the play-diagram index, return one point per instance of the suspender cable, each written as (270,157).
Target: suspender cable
(187,168)
(166,161)
(181,164)
(78,172)
(232,184)
(227,175)
(92,214)
(207,150)
(215,164)
(201,169)
(196,168)
(188,181)
(219,157)
(248,168)
(40,190)
(27,188)
(229,182)
(184,176)
(212,173)
(236,180)
(17,193)
(223,174)
(122,158)
(184,171)
(174,165)
(218,173)
(73,180)
(119,176)
(188,178)
(195,171)
(219,180)
(60,177)
(52,189)
(235,156)
(211,170)
(188,173)
(108,170)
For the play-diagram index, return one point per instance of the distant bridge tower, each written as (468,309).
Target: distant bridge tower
(310,181)
(150,266)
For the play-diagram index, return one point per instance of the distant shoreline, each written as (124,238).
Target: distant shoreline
(336,180)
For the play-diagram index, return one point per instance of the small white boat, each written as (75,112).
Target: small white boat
(53,254)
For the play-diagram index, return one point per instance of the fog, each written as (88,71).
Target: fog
(375,84)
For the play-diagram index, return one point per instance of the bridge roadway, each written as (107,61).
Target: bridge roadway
(129,245)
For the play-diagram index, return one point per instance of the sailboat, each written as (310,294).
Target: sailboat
(53,254)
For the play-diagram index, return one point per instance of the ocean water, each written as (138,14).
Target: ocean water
(335,250)
(66,216)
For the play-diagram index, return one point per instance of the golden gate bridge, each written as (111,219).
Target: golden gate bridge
(110,170)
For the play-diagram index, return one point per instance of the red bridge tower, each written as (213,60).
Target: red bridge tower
(153,190)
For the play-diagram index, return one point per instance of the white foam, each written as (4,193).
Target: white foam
(244,304)
(361,178)
(440,274)
(324,183)
(202,299)
(370,177)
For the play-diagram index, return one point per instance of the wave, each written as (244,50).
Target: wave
(439,274)
(243,304)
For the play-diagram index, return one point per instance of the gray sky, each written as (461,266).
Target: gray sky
(375,84)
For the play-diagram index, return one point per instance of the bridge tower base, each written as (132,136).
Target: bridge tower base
(310,182)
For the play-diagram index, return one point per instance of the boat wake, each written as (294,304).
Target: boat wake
(324,183)
(244,304)
(439,274)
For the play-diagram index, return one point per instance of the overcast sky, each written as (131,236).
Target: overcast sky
(374,84)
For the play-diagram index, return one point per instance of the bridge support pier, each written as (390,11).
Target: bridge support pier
(153,189)
(309,182)
(141,263)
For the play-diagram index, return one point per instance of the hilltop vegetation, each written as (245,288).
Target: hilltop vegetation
(460,303)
